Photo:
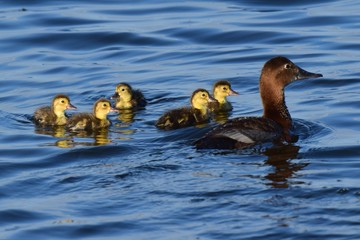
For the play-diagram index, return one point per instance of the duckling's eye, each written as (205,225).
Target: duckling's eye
(287,66)
(104,105)
(225,88)
(203,95)
(123,89)
(62,101)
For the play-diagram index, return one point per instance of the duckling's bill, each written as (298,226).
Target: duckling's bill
(115,96)
(114,109)
(233,92)
(71,107)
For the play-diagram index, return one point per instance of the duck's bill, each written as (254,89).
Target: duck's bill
(71,107)
(233,93)
(116,95)
(113,109)
(302,74)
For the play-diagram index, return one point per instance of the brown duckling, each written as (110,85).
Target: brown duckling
(92,121)
(221,90)
(127,98)
(54,115)
(188,116)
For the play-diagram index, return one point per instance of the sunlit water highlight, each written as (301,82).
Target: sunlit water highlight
(136,182)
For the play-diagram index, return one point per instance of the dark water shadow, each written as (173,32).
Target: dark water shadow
(279,157)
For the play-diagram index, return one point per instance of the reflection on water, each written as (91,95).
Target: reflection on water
(170,48)
(221,117)
(55,131)
(65,143)
(74,138)
(279,157)
(100,137)
(126,115)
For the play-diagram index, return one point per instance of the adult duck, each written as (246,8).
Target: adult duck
(276,122)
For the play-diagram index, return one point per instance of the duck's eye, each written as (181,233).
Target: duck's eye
(62,101)
(224,88)
(104,105)
(123,89)
(287,66)
(203,95)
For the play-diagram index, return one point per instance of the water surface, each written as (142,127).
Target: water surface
(137,182)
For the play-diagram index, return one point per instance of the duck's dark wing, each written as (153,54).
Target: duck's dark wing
(240,133)
(81,121)
(179,118)
(139,98)
(217,107)
(213,106)
(44,116)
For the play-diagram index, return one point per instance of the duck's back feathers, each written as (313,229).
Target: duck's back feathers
(44,116)
(138,99)
(240,133)
(218,107)
(181,117)
(86,122)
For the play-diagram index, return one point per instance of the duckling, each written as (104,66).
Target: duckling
(221,90)
(92,121)
(127,98)
(188,116)
(54,115)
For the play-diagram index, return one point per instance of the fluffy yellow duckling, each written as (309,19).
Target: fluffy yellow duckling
(188,116)
(127,98)
(54,115)
(221,90)
(92,121)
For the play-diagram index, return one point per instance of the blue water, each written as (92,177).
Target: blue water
(137,182)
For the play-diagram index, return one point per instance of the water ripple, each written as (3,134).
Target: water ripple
(135,181)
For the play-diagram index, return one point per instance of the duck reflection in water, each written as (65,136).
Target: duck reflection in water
(279,157)
(221,117)
(55,131)
(95,137)
(72,139)
(126,117)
